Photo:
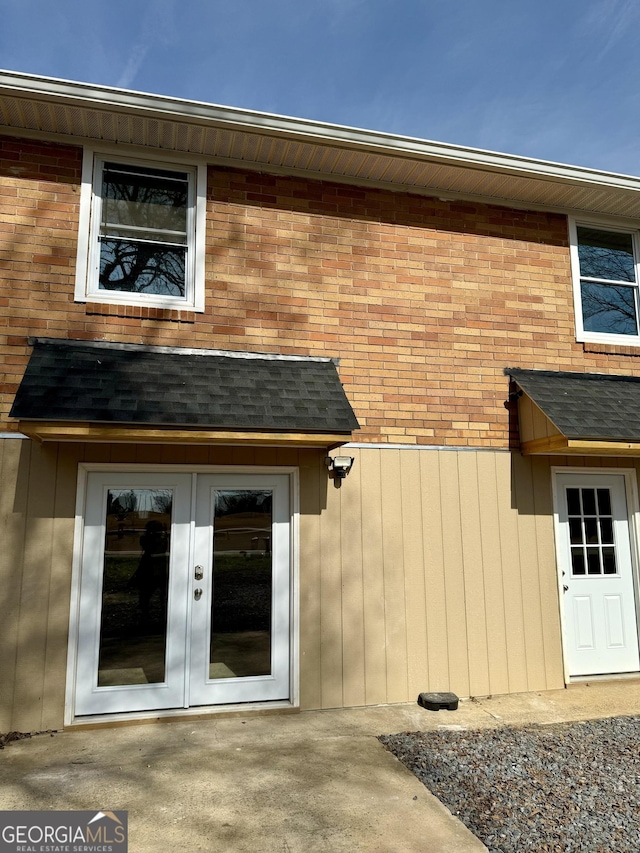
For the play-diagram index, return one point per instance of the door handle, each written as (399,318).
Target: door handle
(198,573)
(565,587)
(197,594)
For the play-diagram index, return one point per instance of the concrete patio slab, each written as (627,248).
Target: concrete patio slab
(296,783)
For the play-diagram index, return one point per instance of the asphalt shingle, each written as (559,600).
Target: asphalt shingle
(103,383)
(585,405)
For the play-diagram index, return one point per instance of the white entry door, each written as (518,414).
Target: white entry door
(184,591)
(596,574)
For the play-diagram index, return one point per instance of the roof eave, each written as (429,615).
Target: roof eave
(199,112)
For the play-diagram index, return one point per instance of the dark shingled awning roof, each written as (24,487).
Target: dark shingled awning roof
(581,408)
(118,384)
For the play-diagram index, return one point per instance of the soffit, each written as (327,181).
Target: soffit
(262,141)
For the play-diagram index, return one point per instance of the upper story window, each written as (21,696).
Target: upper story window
(141,234)
(606,277)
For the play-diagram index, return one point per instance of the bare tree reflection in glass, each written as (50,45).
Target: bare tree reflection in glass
(608,282)
(143,231)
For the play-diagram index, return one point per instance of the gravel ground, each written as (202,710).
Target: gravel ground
(561,788)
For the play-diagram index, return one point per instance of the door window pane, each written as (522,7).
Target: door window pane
(588,501)
(609,561)
(573,502)
(240,643)
(591,532)
(577,562)
(133,625)
(606,531)
(575,531)
(604,502)
(593,561)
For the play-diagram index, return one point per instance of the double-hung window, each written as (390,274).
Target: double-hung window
(606,279)
(141,234)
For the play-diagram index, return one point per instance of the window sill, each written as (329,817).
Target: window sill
(141,312)
(611,349)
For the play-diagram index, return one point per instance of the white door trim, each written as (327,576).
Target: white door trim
(633,511)
(84,469)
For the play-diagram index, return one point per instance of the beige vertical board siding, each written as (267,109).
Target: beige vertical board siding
(473,568)
(263,456)
(99,452)
(547,573)
(435,589)
(241,455)
(453,572)
(196,454)
(310,582)
(285,455)
(123,454)
(490,539)
(530,571)
(375,659)
(34,590)
(173,454)
(425,570)
(394,578)
(514,608)
(60,585)
(413,560)
(14,470)
(330,601)
(146,454)
(352,590)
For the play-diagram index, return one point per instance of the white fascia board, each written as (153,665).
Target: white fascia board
(198,112)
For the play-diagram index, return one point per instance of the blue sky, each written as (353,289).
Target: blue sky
(551,79)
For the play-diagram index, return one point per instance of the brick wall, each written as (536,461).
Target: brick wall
(424,301)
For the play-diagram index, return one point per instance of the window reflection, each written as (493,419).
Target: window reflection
(143,230)
(242,585)
(607,281)
(133,625)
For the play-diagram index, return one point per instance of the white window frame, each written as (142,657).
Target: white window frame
(87,264)
(601,337)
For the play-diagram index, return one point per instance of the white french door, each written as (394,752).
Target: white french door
(596,574)
(184,591)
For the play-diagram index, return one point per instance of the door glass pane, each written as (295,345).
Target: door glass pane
(604,502)
(573,501)
(133,625)
(609,561)
(242,585)
(593,561)
(589,501)
(575,531)
(606,531)
(591,524)
(591,531)
(577,562)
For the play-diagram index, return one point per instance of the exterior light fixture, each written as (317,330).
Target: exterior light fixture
(340,465)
